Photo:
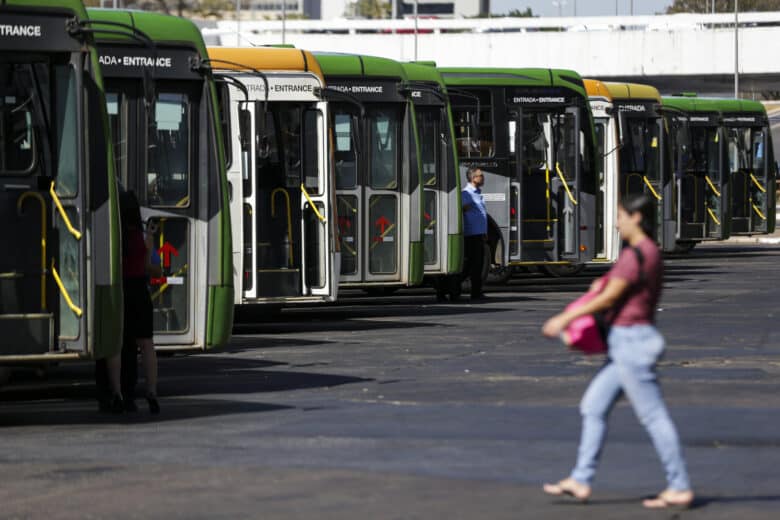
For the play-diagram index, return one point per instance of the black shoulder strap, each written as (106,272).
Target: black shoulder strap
(640,257)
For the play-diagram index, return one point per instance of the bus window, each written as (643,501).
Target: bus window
(758,151)
(565,139)
(472,116)
(168,152)
(640,151)
(345,153)
(66,121)
(430,138)
(17,141)
(310,144)
(117,119)
(383,134)
(535,143)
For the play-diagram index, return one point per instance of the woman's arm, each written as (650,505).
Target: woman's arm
(606,299)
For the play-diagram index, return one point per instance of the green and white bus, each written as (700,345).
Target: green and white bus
(531,132)
(442,217)
(379,190)
(168,149)
(60,270)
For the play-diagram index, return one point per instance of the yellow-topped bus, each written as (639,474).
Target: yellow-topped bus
(278,151)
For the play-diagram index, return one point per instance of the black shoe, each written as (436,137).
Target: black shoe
(130,405)
(154,406)
(117,406)
(441,297)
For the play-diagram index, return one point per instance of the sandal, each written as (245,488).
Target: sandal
(568,487)
(670,498)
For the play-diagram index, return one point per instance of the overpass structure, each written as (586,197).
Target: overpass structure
(671,52)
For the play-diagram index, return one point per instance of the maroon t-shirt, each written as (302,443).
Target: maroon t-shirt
(639,303)
(134,261)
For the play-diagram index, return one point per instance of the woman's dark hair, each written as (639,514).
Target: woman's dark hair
(644,205)
(130,215)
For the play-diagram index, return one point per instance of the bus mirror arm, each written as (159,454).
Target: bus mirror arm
(331,94)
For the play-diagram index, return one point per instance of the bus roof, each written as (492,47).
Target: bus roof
(161,28)
(633,91)
(597,89)
(704,104)
(356,65)
(422,73)
(531,77)
(265,59)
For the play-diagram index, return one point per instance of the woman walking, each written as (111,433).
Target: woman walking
(632,289)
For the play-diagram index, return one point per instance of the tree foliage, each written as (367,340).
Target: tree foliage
(369,9)
(722,6)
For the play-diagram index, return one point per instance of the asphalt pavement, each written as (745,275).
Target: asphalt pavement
(402,408)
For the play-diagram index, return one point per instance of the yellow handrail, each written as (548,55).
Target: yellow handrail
(547,194)
(652,190)
(712,186)
(312,204)
(73,231)
(289,218)
(37,196)
(758,184)
(164,286)
(758,212)
(712,215)
(383,235)
(76,310)
(565,184)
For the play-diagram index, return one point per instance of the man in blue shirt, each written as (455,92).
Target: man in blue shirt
(474,230)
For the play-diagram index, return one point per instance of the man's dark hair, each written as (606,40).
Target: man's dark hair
(644,205)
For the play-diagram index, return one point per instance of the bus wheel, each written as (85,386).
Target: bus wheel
(563,270)
(683,247)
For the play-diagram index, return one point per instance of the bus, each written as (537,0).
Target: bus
(442,217)
(379,195)
(167,141)
(531,132)
(280,173)
(701,198)
(60,270)
(643,155)
(607,144)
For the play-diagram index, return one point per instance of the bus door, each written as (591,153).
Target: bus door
(762,181)
(156,151)
(565,174)
(42,269)
(286,242)
(432,125)
(749,178)
(383,231)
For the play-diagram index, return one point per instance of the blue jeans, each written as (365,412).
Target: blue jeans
(633,353)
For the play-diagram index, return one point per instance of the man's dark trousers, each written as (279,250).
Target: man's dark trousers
(473,262)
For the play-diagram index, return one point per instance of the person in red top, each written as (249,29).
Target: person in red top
(629,297)
(137,266)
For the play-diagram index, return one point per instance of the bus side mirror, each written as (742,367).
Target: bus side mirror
(150,90)
(244,128)
(622,128)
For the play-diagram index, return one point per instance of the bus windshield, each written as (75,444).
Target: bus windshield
(549,141)
(640,152)
(704,151)
(18,110)
(746,148)
(384,124)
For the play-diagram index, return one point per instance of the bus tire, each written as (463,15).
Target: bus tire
(563,270)
(682,247)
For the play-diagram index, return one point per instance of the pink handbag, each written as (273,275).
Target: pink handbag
(587,333)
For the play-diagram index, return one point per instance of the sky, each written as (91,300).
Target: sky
(584,7)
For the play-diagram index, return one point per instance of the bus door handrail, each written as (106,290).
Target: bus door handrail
(312,204)
(761,188)
(713,216)
(712,185)
(73,231)
(565,184)
(283,191)
(64,292)
(758,211)
(19,203)
(652,190)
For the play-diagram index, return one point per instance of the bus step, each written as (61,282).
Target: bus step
(278,282)
(26,333)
